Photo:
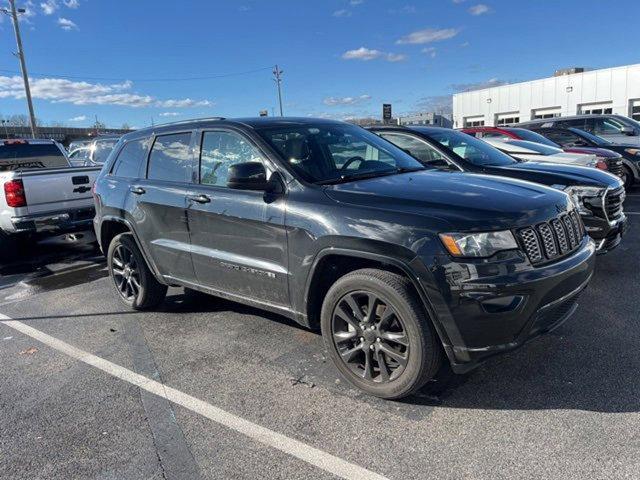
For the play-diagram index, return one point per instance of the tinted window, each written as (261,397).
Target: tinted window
(416,147)
(536,147)
(576,123)
(219,151)
(170,159)
(130,158)
(564,137)
(102,149)
(25,156)
(606,126)
(470,148)
(330,153)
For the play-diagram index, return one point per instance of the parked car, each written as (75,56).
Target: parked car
(41,193)
(607,159)
(598,196)
(93,154)
(399,265)
(568,137)
(615,128)
(525,151)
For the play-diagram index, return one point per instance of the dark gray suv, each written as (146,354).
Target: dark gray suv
(401,266)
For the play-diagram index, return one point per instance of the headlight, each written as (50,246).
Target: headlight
(478,244)
(633,151)
(579,194)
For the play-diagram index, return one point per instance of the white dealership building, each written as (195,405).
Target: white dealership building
(568,92)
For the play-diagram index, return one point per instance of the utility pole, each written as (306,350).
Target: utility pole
(23,67)
(277,73)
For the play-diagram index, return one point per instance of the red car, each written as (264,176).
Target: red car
(607,160)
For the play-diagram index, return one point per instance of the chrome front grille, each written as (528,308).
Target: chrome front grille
(548,241)
(614,165)
(613,203)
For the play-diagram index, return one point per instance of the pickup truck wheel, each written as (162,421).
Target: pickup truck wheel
(8,247)
(378,334)
(133,281)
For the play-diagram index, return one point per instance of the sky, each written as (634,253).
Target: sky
(139,62)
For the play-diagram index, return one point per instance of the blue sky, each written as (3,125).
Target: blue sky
(134,61)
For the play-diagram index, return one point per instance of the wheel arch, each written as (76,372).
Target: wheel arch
(332,263)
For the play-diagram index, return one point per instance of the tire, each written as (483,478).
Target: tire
(131,278)
(8,248)
(405,331)
(629,180)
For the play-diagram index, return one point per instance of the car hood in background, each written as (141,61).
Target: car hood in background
(559,175)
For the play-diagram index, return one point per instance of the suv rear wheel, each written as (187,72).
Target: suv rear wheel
(378,334)
(133,281)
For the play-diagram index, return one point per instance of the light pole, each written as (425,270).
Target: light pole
(277,73)
(23,67)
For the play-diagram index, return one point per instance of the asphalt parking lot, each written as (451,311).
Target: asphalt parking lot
(205,388)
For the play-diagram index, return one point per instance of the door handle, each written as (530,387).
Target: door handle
(137,190)
(81,189)
(199,198)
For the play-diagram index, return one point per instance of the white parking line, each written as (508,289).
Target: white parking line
(290,446)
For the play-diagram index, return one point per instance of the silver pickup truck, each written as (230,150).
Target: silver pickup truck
(40,192)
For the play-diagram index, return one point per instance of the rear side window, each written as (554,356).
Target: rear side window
(24,156)
(130,158)
(170,159)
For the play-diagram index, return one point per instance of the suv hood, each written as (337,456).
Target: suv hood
(556,174)
(598,152)
(467,201)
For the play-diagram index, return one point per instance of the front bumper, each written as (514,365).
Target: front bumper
(491,307)
(606,234)
(55,222)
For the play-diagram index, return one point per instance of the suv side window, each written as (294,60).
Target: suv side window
(220,150)
(170,159)
(417,148)
(580,123)
(562,137)
(606,126)
(131,156)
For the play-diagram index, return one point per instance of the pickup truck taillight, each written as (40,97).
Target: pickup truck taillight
(14,194)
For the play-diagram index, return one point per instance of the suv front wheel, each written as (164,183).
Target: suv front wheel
(378,334)
(133,281)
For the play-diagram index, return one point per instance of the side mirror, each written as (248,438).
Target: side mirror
(627,130)
(247,176)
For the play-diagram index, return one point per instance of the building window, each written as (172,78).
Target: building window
(508,120)
(635,109)
(474,122)
(545,115)
(599,109)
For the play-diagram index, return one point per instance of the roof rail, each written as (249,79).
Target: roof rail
(191,120)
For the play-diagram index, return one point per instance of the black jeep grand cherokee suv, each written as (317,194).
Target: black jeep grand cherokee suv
(399,265)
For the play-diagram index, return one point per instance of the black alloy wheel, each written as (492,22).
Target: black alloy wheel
(370,336)
(125,273)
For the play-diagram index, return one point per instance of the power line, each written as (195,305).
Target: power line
(141,80)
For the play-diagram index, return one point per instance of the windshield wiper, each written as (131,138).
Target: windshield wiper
(364,175)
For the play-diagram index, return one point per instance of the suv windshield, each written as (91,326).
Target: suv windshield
(470,148)
(25,156)
(594,138)
(334,153)
(530,136)
(536,147)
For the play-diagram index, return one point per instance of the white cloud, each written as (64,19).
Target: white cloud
(67,24)
(428,35)
(341,101)
(79,118)
(342,13)
(431,51)
(49,7)
(356,2)
(407,9)
(459,1)
(366,54)
(395,57)
(59,90)
(467,87)
(71,3)
(170,114)
(464,44)
(478,9)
